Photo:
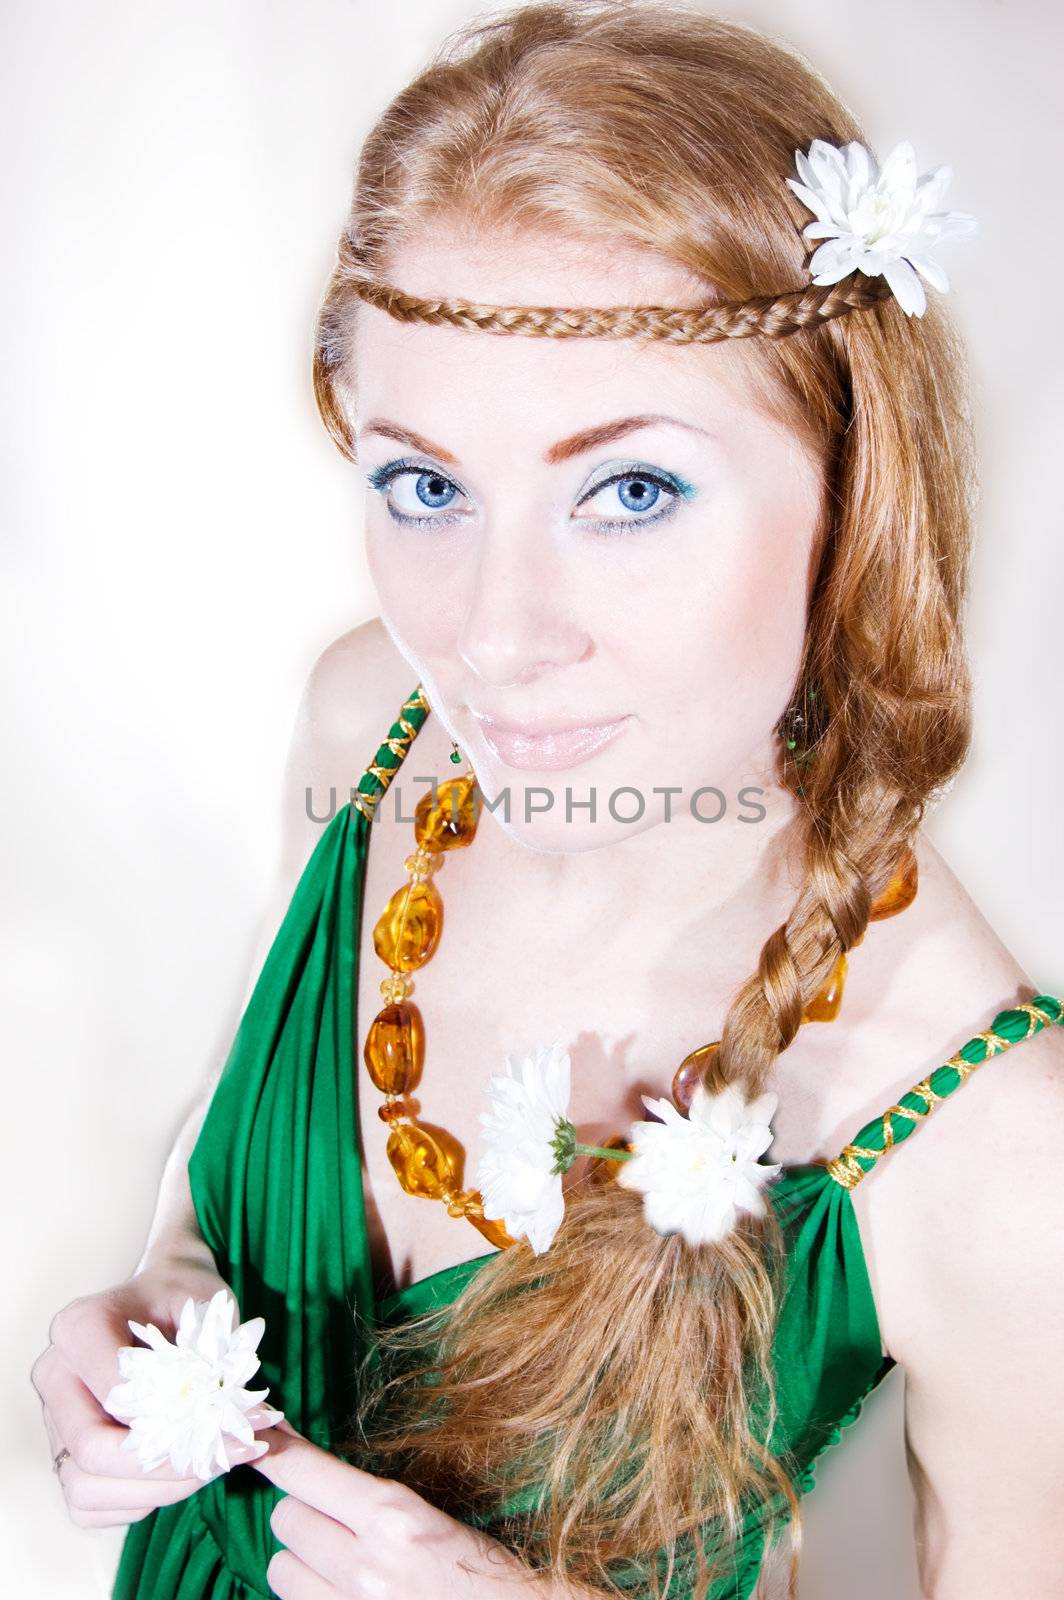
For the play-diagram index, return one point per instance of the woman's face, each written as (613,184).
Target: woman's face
(595,554)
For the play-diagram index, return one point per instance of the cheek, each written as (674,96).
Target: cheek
(724,605)
(711,638)
(419,596)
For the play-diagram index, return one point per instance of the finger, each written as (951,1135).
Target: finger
(321,1543)
(110,1519)
(88,1339)
(98,1444)
(292,1579)
(345,1493)
(87,1491)
(86,1516)
(74,1418)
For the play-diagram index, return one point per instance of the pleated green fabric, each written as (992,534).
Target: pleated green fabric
(276,1182)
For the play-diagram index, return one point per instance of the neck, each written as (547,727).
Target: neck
(676,869)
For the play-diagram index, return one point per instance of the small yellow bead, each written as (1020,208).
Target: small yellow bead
(422,864)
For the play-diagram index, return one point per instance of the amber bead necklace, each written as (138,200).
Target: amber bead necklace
(428,1162)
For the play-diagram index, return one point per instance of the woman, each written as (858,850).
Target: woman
(684,588)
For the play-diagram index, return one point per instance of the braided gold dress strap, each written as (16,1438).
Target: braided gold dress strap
(898,1121)
(386,763)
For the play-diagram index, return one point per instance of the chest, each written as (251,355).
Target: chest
(488,994)
(627,996)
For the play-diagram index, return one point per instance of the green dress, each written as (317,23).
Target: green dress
(276,1182)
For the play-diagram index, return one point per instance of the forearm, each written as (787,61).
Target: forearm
(174,1238)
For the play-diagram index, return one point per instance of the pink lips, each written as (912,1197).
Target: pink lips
(548,749)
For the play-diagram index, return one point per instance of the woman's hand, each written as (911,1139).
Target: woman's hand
(102,1482)
(357,1537)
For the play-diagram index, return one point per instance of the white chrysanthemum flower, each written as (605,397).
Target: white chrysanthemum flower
(696,1173)
(877,220)
(519,1172)
(179,1399)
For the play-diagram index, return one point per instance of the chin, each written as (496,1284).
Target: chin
(552,835)
(531,807)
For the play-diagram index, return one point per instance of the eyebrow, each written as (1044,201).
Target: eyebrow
(564,450)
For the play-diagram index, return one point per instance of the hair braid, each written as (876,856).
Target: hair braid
(623,1382)
(773,316)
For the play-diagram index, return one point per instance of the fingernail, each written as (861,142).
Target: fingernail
(249,1452)
(264,1416)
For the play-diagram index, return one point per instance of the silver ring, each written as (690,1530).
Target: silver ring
(60,1458)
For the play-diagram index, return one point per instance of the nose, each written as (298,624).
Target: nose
(520,620)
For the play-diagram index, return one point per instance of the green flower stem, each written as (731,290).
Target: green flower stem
(566,1148)
(602,1153)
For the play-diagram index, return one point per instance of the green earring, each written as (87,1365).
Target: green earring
(798,728)
(456,754)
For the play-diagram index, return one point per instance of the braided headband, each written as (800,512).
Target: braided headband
(878,229)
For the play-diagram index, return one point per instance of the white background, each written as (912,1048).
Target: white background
(180,539)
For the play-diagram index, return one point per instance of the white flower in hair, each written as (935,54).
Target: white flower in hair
(696,1173)
(181,1397)
(519,1172)
(878,220)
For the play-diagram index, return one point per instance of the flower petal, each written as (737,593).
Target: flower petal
(928,268)
(829,170)
(898,173)
(906,288)
(515,1172)
(812,200)
(931,190)
(804,169)
(860,167)
(821,230)
(836,258)
(764,1107)
(950,225)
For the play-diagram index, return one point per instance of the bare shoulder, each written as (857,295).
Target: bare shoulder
(356,681)
(957,974)
(964,1229)
(350,699)
(931,1208)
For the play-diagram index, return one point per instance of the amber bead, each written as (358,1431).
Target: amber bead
(492,1230)
(601,1170)
(394,1051)
(391,1111)
(408,929)
(423,862)
(451,822)
(421,1165)
(900,891)
(824,1006)
(689,1075)
(396,986)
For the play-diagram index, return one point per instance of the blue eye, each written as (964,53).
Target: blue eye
(432,490)
(638,494)
(639,489)
(418,496)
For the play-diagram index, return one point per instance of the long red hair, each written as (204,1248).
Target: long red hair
(624,1411)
